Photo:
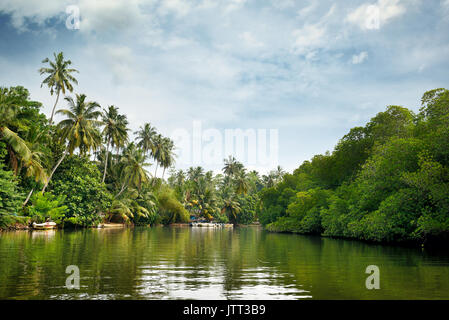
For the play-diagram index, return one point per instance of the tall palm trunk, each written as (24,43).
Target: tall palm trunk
(13,160)
(124,186)
(28,197)
(163,172)
(117,155)
(54,107)
(54,169)
(106,160)
(155,171)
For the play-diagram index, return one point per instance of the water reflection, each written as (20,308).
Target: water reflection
(202,263)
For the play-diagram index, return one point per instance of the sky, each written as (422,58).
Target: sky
(310,70)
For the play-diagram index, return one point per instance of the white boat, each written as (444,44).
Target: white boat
(210,225)
(44,226)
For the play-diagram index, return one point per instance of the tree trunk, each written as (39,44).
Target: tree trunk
(155,171)
(54,107)
(106,160)
(28,197)
(163,172)
(53,171)
(13,160)
(124,186)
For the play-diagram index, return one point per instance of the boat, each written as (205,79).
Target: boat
(210,225)
(44,226)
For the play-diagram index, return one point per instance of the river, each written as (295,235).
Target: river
(202,263)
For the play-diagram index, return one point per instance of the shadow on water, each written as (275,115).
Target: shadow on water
(203,263)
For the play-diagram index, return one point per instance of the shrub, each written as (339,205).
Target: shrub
(170,209)
(47,206)
(10,197)
(79,180)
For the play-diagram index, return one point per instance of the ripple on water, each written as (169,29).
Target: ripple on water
(187,282)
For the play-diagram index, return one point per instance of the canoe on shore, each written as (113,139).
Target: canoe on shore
(113,225)
(44,226)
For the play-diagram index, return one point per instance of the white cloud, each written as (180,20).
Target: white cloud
(303,12)
(313,36)
(156,58)
(249,40)
(234,5)
(369,16)
(207,4)
(120,60)
(99,15)
(23,11)
(106,15)
(308,38)
(283,4)
(359,58)
(179,7)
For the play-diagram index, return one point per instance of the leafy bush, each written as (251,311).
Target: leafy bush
(248,206)
(170,209)
(389,181)
(303,214)
(47,206)
(10,197)
(79,180)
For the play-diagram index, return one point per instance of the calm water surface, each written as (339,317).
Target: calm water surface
(199,263)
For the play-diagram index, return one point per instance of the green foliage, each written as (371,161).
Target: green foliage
(47,206)
(303,213)
(387,181)
(170,209)
(86,197)
(134,206)
(430,186)
(248,208)
(10,197)
(275,200)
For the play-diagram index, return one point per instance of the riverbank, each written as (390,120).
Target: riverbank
(433,243)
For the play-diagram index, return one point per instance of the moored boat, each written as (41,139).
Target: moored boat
(44,226)
(211,225)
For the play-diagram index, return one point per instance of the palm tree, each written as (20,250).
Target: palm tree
(79,129)
(133,173)
(168,155)
(232,208)
(9,108)
(145,137)
(269,180)
(232,167)
(229,168)
(33,167)
(195,173)
(122,140)
(180,177)
(23,153)
(254,181)
(279,173)
(114,132)
(242,185)
(59,77)
(157,150)
(133,204)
